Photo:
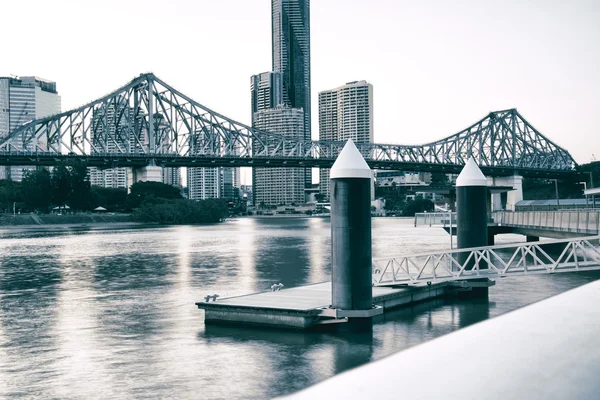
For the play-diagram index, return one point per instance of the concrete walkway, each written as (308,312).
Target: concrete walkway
(547,350)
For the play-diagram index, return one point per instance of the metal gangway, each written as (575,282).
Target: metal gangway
(547,257)
(435,218)
(572,221)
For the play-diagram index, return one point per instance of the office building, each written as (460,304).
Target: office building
(230,183)
(291,57)
(22,100)
(110,133)
(266,90)
(345,113)
(204,183)
(171,176)
(279,186)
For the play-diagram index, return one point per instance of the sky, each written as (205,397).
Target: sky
(436,66)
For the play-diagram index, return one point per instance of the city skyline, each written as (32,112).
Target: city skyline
(434,74)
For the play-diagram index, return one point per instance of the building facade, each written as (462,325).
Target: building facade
(203,183)
(279,186)
(345,113)
(291,57)
(22,100)
(266,91)
(171,176)
(110,132)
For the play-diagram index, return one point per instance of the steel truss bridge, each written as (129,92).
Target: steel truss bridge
(148,122)
(573,255)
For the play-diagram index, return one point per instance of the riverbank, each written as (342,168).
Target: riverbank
(19,220)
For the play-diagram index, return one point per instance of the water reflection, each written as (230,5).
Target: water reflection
(110,314)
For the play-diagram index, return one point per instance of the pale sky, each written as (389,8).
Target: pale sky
(436,66)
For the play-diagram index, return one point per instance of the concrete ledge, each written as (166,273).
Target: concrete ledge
(338,313)
(547,350)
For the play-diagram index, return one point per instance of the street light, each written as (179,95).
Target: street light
(557,199)
(584,190)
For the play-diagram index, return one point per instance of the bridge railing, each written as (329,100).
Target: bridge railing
(576,221)
(546,257)
(435,218)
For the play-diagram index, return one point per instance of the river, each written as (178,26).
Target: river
(110,314)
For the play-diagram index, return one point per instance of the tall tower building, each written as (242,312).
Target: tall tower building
(345,113)
(171,176)
(110,132)
(279,186)
(266,90)
(22,100)
(203,183)
(291,56)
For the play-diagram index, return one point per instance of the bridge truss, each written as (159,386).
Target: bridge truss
(489,262)
(149,122)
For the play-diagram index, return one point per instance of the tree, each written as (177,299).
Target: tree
(36,189)
(61,185)
(10,193)
(109,198)
(439,179)
(141,190)
(80,197)
(416,206)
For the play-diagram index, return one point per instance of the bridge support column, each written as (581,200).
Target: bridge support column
(351,272)
(513,196)
(471,215)
(150,173)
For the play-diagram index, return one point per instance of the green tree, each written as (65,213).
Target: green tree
(416,206)
(61,185)
(10,193)
(439,179)
(80,197)
(141,190)
(109,198)
(36,189)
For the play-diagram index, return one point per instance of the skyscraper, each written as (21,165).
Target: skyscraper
(22,100)
(111,132)
(279,186)
(291,56)
(171,176)
(269,113)
(266,90)
(345,113)
(203,183)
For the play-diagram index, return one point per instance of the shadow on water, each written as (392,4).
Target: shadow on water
(296,358)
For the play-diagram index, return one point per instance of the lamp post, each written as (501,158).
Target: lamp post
(591,187)
(584,190)
(556,190)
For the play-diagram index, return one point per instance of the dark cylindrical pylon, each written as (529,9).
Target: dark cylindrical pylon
(350,197)
(471,213)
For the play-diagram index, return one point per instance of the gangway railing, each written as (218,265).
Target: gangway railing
(573,255)
(576,221)
(435,218)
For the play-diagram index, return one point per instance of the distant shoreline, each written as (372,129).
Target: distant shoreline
(66,227)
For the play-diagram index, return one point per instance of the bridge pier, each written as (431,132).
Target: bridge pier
(471,218)
(512,197)
(150,173)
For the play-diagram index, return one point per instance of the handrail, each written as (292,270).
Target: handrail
(488,262)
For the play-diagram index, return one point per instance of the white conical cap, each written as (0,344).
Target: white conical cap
(471,175)
(350,164)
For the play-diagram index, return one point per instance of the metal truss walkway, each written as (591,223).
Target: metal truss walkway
(148,122)
(489,262)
